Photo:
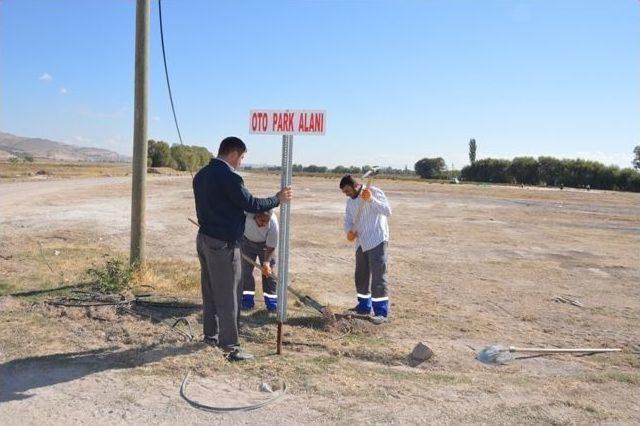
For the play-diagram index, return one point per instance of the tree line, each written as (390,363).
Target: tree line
(552,171)
(544,170)
(21,157)
(547,171)
(353,170)
(176,156)
(341,170)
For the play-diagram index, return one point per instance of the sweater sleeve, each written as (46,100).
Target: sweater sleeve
(241,197)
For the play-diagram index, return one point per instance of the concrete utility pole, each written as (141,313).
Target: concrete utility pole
(137,254)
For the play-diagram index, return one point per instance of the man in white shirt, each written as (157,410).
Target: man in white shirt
(365,222)
(260,241)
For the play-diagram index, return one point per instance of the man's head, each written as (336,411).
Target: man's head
(349,186)
(232,150)
(262,219)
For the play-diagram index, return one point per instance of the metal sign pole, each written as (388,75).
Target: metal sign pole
(283,240)
(286,123)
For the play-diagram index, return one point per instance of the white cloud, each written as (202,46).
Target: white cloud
(155,118)
(46,77)
(117,143)
(64,90)
(81,139)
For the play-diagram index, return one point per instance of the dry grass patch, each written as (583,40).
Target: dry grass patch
(44,264)
(171,277)
(13,171)
(629,378)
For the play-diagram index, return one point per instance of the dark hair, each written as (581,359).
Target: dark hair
(231,144)
(347,180)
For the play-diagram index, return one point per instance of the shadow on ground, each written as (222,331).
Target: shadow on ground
(19,376)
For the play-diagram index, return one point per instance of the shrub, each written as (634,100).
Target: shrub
(160,154)
(189,158)
(487,170)
(314,169)
(524,170)
(114,277)
(430,168)
(628,179)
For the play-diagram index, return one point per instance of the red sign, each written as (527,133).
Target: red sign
(287,122)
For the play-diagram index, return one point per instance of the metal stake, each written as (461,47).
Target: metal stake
(283,244)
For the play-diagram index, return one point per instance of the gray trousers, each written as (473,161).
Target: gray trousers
(221,291)
(256,250)
(371,271)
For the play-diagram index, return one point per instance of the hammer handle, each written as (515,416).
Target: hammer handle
(563,351)
(256,264)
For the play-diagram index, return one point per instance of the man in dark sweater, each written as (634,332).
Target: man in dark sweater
(221,200)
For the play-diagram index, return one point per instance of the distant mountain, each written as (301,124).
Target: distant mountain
(45,149)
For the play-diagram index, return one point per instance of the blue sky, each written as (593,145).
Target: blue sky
(400,79)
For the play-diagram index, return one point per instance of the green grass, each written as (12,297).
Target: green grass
(615,376)
(112,277)
(5,287)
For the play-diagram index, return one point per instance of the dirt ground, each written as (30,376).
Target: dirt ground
(470,266)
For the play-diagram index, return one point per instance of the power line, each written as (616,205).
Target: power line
(166,72)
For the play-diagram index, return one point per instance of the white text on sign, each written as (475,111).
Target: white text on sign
(287,122)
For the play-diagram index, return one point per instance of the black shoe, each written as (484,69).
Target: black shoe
(211,341)
(238,355)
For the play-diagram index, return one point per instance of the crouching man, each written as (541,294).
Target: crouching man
(260,242)
(370,231)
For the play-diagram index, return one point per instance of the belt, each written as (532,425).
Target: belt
(230,244)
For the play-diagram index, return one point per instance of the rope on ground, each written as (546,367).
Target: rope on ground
(184,320)
(183,389)
(174,304)
(343,335)
(28,293)
(123,305)
(83,304)
(91,298)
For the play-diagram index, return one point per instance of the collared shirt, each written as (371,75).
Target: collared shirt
(267,234)
(225,162)
(372,226)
